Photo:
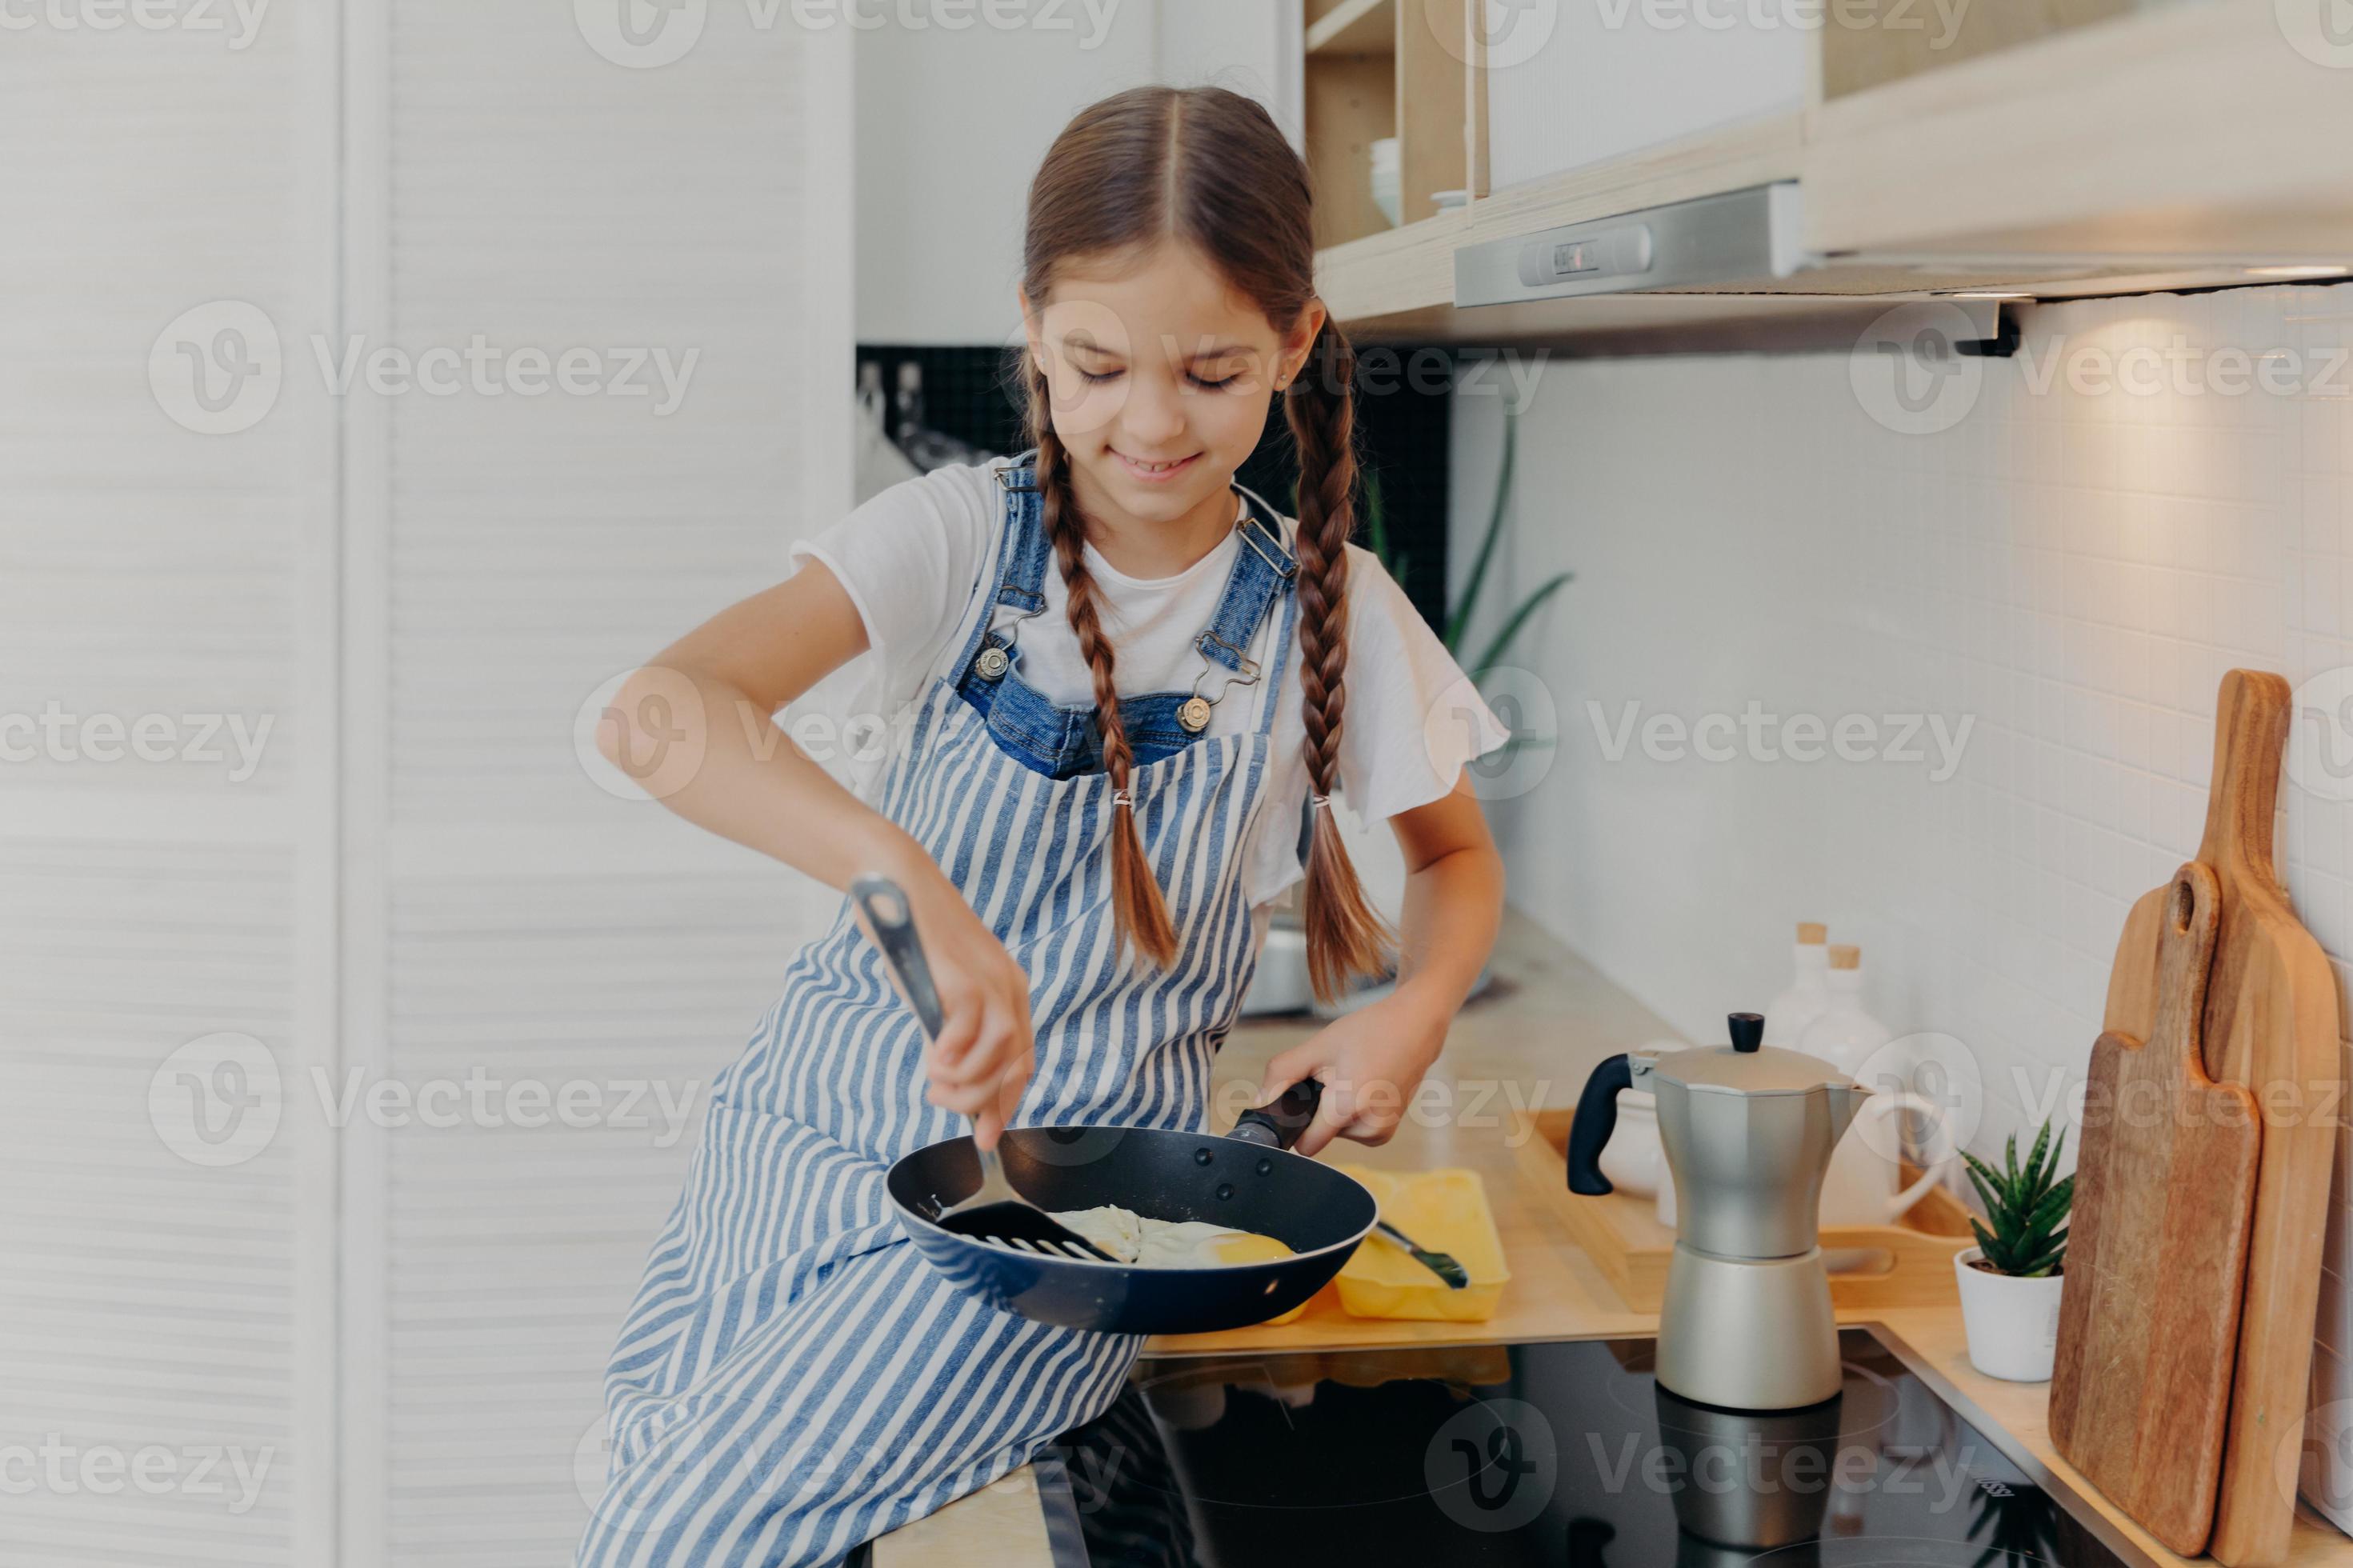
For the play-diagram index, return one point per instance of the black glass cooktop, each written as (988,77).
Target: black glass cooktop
(1565,1453)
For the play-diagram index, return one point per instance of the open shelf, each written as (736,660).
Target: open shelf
(1376,70)
(1352,27)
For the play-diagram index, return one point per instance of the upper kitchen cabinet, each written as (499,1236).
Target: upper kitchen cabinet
(2148,132)
(1639,173)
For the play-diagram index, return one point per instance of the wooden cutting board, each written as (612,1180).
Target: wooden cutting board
(2156,1250)
(2271,1023)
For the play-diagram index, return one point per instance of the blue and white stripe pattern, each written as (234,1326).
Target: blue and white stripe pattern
(793,1379)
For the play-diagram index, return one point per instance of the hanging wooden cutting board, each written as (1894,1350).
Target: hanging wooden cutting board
(2269,1024)
(2157,1250)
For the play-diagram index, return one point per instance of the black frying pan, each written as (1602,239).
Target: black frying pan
(1248,1181)
(1235,1181)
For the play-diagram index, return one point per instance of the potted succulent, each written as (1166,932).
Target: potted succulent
(2010,1281)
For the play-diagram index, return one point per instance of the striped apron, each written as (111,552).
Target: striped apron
(792,1378)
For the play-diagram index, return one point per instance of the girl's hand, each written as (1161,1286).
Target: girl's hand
(1370,1063)
(984,1053)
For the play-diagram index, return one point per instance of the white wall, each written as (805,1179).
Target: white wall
(951,125)
(2074,572)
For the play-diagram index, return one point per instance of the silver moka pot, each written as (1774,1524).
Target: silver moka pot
(1748,1131)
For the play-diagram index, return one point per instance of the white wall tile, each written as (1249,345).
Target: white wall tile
(2074,570)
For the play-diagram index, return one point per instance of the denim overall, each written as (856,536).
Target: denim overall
(793,1379)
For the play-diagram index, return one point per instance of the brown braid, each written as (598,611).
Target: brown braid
(1211,169)
(1344,938)
(1138,910)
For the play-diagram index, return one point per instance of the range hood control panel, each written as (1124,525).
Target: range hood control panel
(1623,250)
(1744,236)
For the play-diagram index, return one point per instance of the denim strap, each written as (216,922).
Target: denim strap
(1261,567)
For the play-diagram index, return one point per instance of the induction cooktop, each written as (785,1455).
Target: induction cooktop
(1564,1452)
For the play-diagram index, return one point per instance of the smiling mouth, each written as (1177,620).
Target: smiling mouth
(1155,472)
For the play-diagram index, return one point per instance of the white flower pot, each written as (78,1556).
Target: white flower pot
(2012,1323)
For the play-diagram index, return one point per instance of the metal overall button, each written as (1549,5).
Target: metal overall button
(993,663)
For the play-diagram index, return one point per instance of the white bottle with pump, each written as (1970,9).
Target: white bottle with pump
(1807,995)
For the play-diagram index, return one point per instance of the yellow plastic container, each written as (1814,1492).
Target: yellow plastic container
(1445,1211)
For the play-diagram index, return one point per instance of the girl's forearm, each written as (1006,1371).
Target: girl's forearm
(1453,909)
(750,782)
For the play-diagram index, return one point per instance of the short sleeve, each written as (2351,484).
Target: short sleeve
(908,559)
(1413,718)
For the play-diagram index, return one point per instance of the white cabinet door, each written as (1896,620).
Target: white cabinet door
(1581,82)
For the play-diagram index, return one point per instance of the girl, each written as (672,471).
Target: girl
(1130,692)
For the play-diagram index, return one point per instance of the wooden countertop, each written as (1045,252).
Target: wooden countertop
(1529,1042)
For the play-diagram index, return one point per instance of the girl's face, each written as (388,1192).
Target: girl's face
(1159,374)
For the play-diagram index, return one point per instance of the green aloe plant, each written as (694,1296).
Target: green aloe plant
(2021,1234)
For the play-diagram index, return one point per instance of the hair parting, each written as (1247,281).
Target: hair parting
(1210,168)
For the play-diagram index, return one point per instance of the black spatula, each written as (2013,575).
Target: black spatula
(994,1212)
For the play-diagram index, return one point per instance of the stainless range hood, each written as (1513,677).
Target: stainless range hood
(1740,238)
(1747,245)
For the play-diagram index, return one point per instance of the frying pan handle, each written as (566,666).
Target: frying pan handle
(1278,1126)
(1596,1120)
(890,922)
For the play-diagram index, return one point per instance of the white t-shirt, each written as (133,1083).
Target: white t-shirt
(911,558)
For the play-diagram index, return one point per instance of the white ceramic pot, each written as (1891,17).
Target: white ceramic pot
(2012,1323)
(1864,1184)
(1634,1159)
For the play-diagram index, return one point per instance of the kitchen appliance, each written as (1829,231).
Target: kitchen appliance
(1748,1131)
(2156,1250)
(2271,1023)
(1561,1452)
